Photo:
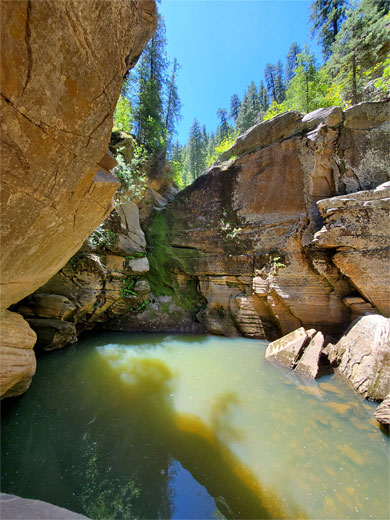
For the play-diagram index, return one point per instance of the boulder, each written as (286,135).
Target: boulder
(289,349)
(53,334)
(62,66)
(46,305)
(362,356)
(17,508)
(382,413)
(309,363)
(17,359)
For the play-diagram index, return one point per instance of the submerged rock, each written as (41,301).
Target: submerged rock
(362,356)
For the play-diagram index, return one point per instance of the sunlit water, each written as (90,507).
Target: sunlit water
(152,426)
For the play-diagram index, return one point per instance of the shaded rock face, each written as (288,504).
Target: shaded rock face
(62,67)
(243,235)
(103,281)
(362,356)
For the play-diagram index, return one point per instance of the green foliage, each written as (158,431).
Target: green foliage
(126,289)
(102,238)
(106,498)
(133,180)
(359,51)
(136,254)
(327,17)
(224,145)
(383,83)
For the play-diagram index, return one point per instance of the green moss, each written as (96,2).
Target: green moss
(165,261)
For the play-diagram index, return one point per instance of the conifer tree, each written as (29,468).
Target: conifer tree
(173,106)
(280,88)
(196,153)
(359,50)
(327,17)
(263,98)
(291,60)
(234,107)
(151,75)
(223,127)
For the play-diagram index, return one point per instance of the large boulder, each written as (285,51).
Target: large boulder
(62,66)
(17,359)
(362,356)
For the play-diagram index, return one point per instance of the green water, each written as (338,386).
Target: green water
(152,426)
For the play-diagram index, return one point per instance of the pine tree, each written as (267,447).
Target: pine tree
(327,17)
(263,98)
(359,50)
(291,60)
(280,88)
(270,81)
(151,75)
(234,107)
(196,157)
(173,106)
(223,127)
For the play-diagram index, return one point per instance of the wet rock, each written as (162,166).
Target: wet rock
(17,508)
(382,413)
(362,356)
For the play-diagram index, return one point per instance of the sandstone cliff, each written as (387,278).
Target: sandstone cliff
(292,233)
(62,66)
(242,239)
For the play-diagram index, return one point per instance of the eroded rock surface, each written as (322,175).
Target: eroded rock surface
(357,227)
(362,356)
(382,413)
(242,235)
(62,66)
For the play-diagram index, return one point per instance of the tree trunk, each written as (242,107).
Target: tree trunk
(354,87)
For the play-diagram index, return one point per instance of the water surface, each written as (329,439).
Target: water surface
(152,426)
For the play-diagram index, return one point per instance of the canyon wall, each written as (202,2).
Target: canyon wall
(62,67)
(293,232)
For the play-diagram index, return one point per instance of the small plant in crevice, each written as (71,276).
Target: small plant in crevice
(133,180)
(142,306)
(136,255)
(102,238)
(227,229)
(276,261)
(127,286)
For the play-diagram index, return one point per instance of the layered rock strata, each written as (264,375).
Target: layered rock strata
(239,245)
(62,67)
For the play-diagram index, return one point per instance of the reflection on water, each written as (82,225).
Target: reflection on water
(140,426)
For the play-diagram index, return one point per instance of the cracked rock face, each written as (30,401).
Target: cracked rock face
(62,66)
(357,228)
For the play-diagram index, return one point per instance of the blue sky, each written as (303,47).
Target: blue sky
(222,45)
